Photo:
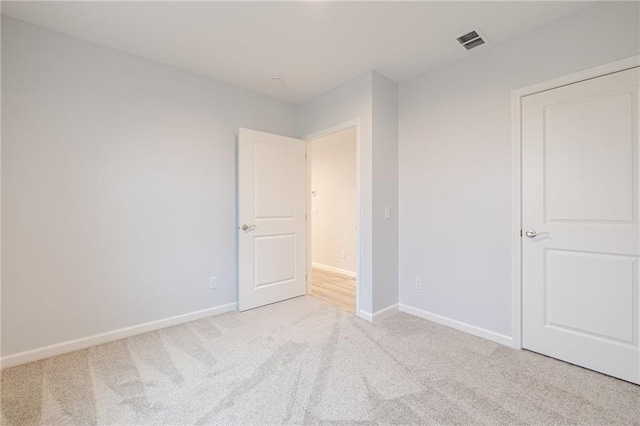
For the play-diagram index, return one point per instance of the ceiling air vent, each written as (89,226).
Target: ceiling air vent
(471,40)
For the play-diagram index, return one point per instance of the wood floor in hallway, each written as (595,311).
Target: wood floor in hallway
(337,289)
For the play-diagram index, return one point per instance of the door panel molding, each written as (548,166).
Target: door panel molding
(271,218)
(516,174)
(579,279)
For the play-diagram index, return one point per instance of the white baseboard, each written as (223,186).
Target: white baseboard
(365,315)
(378,315)
(333,269)
(383,313)
(109,336)
(458,325)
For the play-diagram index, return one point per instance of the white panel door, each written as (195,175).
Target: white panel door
(272,178)
(580,196)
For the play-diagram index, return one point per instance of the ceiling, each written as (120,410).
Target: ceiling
(313,46)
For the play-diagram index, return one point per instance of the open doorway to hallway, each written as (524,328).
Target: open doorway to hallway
(334,218)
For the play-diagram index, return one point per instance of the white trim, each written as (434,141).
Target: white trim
(333,269)
(365,316)
(516,174)
(386,312)
(378,315)
(331,130)
(516,223)
(458,325)
(110,336)
(599,71)
(334,129)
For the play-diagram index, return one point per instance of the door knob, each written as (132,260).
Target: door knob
(531,233)
(246,227)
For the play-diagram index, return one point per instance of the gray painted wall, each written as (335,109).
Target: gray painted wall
(373,99)
(119,189)
(455,160)
(351,101)
(118,186)
(385,192)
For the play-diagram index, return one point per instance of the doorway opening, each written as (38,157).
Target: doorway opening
(332,166)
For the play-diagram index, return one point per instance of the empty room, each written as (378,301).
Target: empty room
(317,212)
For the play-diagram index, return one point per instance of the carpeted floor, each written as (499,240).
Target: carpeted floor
(303,361)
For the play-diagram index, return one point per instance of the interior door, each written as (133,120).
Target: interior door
(580,218)
(272,218)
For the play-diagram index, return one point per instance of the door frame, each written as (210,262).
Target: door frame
(516,174)
(359,234)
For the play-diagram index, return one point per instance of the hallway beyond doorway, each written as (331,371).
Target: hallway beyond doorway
(337,289)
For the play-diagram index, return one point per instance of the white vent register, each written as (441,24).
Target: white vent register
(471,40)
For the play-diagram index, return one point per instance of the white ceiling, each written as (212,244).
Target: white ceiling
(313,46)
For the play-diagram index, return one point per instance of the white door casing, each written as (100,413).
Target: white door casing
(272,204)
(580,184)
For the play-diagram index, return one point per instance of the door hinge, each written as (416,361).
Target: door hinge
(305,218)
(305,155)
(305,277)
(521,233)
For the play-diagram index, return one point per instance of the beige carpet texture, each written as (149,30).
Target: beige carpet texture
(303,361)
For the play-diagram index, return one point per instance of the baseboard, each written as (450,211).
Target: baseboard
(365,315)
(110,336)
(378,315)
(333,269)
(458,325)
(386,312)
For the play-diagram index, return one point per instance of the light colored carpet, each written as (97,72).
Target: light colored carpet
(305,362)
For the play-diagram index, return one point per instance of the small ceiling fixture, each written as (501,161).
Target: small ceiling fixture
(277,81)
(471,40)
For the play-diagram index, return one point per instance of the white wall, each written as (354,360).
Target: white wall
(348,102)
(118,187)
(385,192)
(334,213)
(455,160)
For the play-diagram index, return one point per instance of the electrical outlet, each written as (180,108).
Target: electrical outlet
(387,213)
(342,254)
(213,283)
(418,283)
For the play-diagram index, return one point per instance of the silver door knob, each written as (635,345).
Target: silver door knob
(531,233)
(246,227)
